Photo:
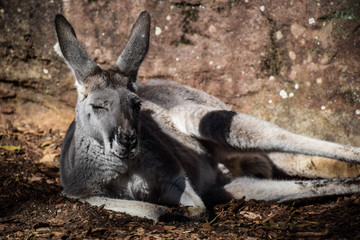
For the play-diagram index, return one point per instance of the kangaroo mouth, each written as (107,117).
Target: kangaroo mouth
(125,152)
(128,155)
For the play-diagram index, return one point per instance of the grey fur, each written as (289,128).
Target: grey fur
(167,151)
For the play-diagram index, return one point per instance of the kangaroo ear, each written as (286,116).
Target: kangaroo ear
(73,52)
(136,48)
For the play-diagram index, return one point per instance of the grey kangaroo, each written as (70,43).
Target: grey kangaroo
(139,148)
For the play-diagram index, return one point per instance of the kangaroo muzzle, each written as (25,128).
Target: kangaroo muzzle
(125,143)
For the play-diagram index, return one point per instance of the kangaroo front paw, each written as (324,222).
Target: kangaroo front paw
(194,213)
(184,214)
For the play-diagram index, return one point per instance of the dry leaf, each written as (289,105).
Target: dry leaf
(11,148)
(169,228)
(46,143)
(250,215)
(49,159)
(35,179)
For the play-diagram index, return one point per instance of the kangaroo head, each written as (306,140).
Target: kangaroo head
(107,108)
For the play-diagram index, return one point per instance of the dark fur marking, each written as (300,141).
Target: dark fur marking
(216,125)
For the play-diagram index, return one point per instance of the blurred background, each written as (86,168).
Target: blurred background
(293,63)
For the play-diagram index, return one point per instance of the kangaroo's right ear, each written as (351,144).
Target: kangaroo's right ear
(137,46)
(75,55)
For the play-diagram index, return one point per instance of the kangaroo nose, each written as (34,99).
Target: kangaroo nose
(128,140)
(126,143)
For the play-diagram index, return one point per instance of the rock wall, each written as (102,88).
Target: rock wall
(293,63)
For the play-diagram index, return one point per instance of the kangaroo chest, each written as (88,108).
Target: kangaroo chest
(131,186)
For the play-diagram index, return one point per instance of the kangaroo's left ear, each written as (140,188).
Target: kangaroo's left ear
(79,61)
(136,48)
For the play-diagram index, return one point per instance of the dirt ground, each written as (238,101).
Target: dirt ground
(32,207)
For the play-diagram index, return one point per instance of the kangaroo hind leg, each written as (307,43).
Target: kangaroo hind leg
(244,132)
(286,190)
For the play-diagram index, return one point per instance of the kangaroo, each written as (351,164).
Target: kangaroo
(139,148)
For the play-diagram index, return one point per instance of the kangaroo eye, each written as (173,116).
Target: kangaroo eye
(98,107)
